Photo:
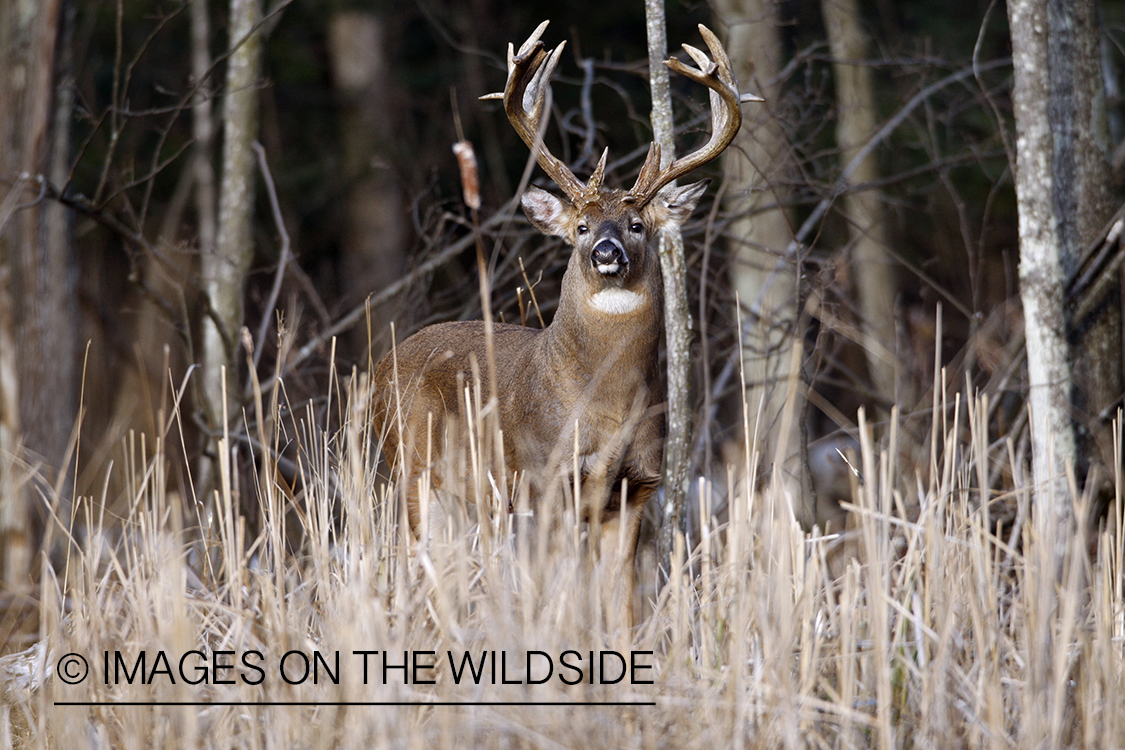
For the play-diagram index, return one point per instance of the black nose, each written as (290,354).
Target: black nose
(607,252)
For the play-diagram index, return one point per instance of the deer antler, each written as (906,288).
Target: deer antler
(529,77)
(726,118)
(524,95)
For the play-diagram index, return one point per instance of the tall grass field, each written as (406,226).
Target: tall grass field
(941,616)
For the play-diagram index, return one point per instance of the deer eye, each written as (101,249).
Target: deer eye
(582,229)
(637,227)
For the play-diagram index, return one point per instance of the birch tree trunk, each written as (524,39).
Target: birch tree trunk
(677,315)
(764,276)
(855,125)
(225,269)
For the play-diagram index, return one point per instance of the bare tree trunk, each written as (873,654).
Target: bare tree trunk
(855,125)
(376,230)
(677,315)
(225,269)
(765,278)
(1082,187)
(1048,357)
(203,130)
(15,515)
(1062,184)
(35,248)
(1041,251)
(1063,191)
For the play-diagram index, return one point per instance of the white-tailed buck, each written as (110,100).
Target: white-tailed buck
(585,392)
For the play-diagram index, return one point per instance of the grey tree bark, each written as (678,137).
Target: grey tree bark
(677,314)
(15,515)
(1062,190)
(1041,260)
(1082,193)
(203,130)
(765,277)
(40,403)
(225,269)
(1063,179)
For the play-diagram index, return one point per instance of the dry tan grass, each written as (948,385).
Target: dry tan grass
(919,629)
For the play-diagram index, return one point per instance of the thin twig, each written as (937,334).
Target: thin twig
(889,127)
(282,262)
(841,186)
(356,314)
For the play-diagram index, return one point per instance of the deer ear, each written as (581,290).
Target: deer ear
(678,203)
(547,213)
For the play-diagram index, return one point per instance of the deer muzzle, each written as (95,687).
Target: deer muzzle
(609,257)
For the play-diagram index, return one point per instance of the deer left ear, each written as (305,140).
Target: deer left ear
(677,203)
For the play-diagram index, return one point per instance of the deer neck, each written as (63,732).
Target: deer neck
(598,322)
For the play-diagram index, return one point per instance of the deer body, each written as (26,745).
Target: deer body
(583,394)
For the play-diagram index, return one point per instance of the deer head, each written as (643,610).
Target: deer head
(613,226)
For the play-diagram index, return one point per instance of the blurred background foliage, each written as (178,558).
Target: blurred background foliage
(946,181)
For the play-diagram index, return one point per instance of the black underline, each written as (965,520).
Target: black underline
(354,703)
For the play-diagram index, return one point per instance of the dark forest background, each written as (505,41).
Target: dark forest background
(360,104)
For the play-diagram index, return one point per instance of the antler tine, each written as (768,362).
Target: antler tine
(594,184)
(716,74)
(525,94)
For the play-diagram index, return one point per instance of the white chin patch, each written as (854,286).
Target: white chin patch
(616,301)
(608,269)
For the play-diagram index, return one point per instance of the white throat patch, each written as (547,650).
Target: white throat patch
(616,301)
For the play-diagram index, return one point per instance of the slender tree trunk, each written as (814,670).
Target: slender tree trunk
(203,130)
(35,250)
(15,515)
(764,276)
(1048,357)
(677,315)
(855,125)
(1041,259)
(376,230)
(225,269)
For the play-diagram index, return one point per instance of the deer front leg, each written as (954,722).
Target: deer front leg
(620,529)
